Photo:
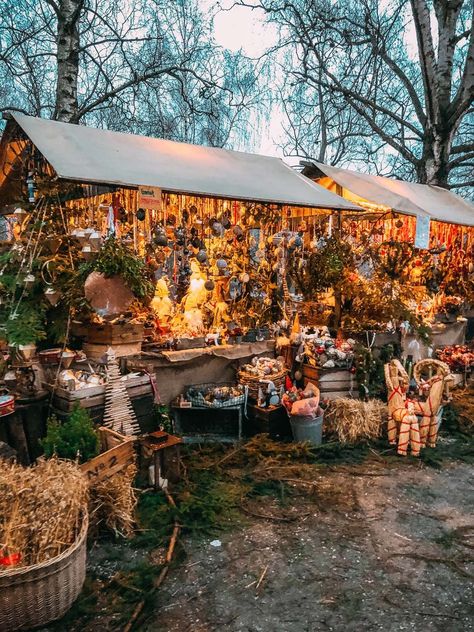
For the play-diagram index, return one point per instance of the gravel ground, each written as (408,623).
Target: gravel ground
(386,549)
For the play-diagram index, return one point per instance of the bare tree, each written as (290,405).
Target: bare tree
(404,67)
(147,66)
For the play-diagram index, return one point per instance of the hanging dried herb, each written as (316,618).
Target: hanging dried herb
(324,268)
(393,258)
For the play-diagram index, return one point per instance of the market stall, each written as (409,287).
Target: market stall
(174,255)
(414,245)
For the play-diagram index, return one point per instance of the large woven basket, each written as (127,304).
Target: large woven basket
(36,595)
(254,383)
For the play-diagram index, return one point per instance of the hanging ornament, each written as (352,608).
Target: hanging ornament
(225,221)
(17,252)
(29,281)
(94,239)
(209,285)
(141,214)
(221,264)
(30,183)
(234,288)
(160,238)
(201,256)
(52,295)
(180,236)
(20,214)
(217,229)
(87,252)
(53,243)
(244,277)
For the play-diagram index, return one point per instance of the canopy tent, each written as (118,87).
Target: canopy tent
(89,155)
(405,197)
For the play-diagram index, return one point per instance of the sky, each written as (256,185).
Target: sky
(241,28)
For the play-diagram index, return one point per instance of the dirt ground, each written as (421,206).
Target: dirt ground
(379,548)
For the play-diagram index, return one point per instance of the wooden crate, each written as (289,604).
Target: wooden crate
(95,395)
(273,421)
(332,383)
(110,333)
(117,453)
(96,351)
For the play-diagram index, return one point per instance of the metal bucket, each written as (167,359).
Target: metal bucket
(308,428)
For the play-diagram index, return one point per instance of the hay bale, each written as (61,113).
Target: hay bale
(352,420)
(463,404)
(41,509)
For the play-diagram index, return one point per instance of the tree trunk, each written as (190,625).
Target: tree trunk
(434,167)
(68,13)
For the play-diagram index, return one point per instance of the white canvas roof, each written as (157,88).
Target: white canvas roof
(406,197)
(93,155)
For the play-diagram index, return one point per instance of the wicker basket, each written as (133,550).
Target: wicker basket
(254,383)
(198,400)
(35,595)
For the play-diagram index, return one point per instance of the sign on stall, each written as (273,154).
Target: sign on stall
(149,198)
(422,236)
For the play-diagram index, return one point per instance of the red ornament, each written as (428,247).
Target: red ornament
(10,560)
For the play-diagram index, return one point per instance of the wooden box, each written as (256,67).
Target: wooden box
(160,450)
(114,333)
(93,399)
(273,420)
(95,395)
(332,383)
(117,453)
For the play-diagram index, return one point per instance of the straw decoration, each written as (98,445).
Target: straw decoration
(112,503)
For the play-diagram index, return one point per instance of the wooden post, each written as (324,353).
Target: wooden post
(337,291)
(17,437)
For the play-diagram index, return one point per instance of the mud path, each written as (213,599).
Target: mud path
(388,549)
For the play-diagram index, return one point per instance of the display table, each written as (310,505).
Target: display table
(202,424)
(23,428)
(175,370)
(444,334)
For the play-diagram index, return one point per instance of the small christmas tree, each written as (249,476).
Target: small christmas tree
(119,414)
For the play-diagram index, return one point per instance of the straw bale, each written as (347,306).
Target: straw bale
(41,509)
(352,420)
(463,403)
